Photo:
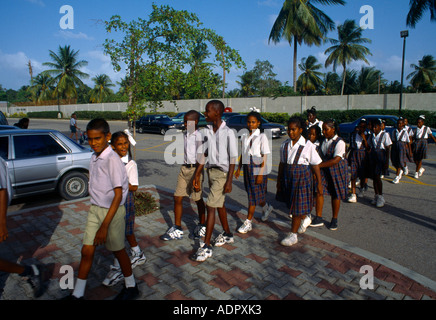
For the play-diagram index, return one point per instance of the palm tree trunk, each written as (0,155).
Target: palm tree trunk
(343,80)
(295,64)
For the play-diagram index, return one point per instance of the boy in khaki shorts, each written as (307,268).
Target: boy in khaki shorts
(221,154)
(108,186)
(184,181)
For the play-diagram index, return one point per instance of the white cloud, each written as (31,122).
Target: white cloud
(37,2)
(14,70)
(71,35)
(99,63)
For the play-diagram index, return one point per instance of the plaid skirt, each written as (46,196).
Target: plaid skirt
(419,149)
(335,180)
(297,183)
(377,160)
(256,192)
(357,162)
(130,213)
(399,154)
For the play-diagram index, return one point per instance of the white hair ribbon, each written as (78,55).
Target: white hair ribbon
(131,140)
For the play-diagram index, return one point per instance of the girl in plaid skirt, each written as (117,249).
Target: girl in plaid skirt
(401,150)
(298,159)
(357,158)
(120,142)
(334,172)
(420,144)
(255,150)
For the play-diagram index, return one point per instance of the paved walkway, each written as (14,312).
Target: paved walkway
(255,267)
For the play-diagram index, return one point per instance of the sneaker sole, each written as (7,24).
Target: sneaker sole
(111,283)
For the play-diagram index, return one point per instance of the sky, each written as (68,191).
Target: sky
(30,28)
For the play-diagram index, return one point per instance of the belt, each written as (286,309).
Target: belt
(189,165)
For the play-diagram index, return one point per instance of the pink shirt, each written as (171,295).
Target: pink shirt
(107,172)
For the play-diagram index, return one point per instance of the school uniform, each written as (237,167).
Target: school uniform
(221,151)
(253,148)
(184,188)
(132,176)
(420,143)
(315,123)
(297,180)
(106,172)
(377,155)
(400,148)
(357,157)
(335,178)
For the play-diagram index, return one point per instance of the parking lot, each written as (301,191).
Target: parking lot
(402,231)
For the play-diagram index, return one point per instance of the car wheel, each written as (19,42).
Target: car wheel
(73,185)
(141,130)
(162,131)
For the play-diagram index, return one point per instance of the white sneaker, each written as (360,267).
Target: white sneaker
(222,240)
(416,176)
(396,180)
(137,258)
(421,171)
(202,254)
(173,233)
(114,276)
(380,201)
(304,224)
(401,174)
(406,171)
(247,226)
(374,201)
(267,212)
(352,198)
(290,240)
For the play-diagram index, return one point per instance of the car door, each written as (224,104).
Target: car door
(37,160)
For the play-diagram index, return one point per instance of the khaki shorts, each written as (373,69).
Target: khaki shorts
(116,234)
(184,186)
(217,180)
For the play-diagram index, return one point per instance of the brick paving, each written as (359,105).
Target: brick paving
(254,267)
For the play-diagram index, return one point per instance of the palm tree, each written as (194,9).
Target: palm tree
(347,47)
(41,88)
(417,9)
(350,85)
(300,21)
(369,80)
(65,72)
(332,83)
(309,80)
(424,76)
(101,89)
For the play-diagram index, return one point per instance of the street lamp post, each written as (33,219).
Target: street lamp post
(404,35)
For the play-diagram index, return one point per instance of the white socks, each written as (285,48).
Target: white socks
(79,289)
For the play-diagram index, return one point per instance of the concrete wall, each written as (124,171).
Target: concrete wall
(290,105)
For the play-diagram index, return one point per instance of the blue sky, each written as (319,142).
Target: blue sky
(30,28)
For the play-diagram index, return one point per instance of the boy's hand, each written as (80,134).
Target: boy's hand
(3,232)
(196,184)
(237,173)
(228,187)
(100,236)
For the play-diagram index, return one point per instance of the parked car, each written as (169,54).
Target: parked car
(239,122)
(7,127)
(227,115)
(180,116)
(160,123)
(3,120)
(346,129)
(41,161)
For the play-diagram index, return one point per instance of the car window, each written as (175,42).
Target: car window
(29,146)
(4,145)
(390,122)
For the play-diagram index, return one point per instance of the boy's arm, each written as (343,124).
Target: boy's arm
(100,236)
(229,181)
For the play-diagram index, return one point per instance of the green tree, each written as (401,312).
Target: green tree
(298,22)
(309,80)
(65,72)
(417,8)
(332,83)
(370,80)
(102,88)
(41,88)
(247,83)
(424,76)
(347,47)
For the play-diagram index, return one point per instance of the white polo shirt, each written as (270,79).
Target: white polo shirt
(339,149)
(308,156)
(255,145)
(396,135)
(423,132)
(386,142)
(107,172)
(192,141)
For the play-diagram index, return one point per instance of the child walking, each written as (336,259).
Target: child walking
(108,188)
(379,144)
(401,150)
(334,173)
(357,158)
(255,150)
(420,145)
(184,188)
(298,159)
(221,153)
(121,145)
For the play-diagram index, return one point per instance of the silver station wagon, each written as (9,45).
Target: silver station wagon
(41,161)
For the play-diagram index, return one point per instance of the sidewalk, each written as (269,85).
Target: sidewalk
(254,267)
